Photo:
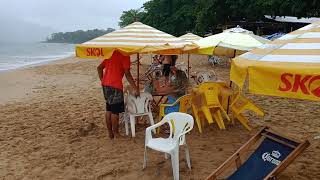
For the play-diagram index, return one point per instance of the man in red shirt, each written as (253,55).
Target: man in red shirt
(111,72)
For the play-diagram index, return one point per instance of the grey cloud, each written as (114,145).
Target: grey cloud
(63,15)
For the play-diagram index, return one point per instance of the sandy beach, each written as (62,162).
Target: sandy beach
(52,127)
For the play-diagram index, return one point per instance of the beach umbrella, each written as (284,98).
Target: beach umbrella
(229,43)
(133,39)
(274,36)
(286,67)
(190,37)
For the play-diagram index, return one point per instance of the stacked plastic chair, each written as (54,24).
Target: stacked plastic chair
(205,100)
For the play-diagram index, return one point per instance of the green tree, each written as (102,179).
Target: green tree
(172,16)
(77,37)
(131,16)
(203,16)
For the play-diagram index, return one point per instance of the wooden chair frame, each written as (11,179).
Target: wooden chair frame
(236,157)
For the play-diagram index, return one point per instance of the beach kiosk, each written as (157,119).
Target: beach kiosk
(135,38)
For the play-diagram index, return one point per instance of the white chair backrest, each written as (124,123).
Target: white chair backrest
(180,124)
(183,68)
(206,77)
(139,105)
(213,60)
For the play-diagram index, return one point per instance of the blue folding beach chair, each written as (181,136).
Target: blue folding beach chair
(272,154)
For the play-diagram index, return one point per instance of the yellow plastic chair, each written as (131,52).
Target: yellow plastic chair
(241,104)
(184,102)
(196,108)
(212,104)
(209,105)
(223,97)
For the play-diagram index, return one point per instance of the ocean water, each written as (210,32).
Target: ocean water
(17,55)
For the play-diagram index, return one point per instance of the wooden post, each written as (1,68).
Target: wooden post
(138,69)
(188,66)
(230,85)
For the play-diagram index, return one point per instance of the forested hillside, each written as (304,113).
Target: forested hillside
(77,37)
(202,16)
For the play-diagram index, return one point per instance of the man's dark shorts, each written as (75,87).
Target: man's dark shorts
(166,70)
(114,99)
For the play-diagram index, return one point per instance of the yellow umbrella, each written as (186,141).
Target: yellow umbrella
(190,37)
(230,43)
(286,67)
(132,39)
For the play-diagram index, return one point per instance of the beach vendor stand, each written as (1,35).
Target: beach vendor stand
(230,43)
(136,38)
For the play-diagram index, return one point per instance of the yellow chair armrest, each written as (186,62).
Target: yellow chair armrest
(167,105)
(173,104)
(162,106)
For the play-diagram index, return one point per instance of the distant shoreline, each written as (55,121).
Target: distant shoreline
(20,55)
(58,42)
(35,64)
(77,37)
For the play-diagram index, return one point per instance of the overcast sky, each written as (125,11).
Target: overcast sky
(34,20)
(67,15)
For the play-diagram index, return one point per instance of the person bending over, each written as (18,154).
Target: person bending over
(167,61)
(174,60)
(111,72)
(175,89)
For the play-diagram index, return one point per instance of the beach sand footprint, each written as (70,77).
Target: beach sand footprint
(87,129)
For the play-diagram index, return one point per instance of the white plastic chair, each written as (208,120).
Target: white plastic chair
(137,107)
(180,124)
(182,67)
(209,76)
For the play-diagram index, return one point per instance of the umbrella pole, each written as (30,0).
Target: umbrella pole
(230,85)
(138,69)
(188,66)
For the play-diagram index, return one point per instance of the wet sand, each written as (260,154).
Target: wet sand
(52,127)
